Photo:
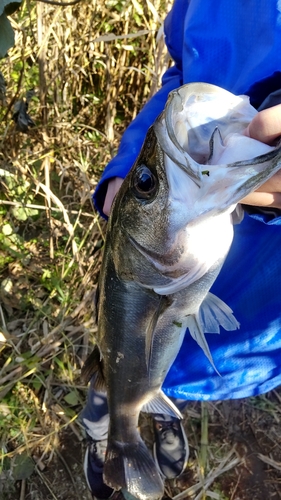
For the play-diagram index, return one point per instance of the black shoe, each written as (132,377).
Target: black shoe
(93,469)
(170,448)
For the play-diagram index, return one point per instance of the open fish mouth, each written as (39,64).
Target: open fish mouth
(201,131)
(210,165)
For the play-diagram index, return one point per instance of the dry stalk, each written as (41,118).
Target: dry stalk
(43,92)
(269,461)
(204,436)
(226,464)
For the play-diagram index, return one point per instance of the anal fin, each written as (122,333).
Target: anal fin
(162,404)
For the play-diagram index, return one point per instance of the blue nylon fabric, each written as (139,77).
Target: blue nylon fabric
(248,359)
(235,45)
(230,44)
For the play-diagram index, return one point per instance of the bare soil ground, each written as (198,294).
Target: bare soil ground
(244,435)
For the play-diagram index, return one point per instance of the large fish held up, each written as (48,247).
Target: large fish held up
(168,235)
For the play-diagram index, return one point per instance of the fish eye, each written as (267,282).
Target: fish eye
(145,184)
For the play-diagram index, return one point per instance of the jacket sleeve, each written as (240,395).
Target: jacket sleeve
(134,136)
(266,215)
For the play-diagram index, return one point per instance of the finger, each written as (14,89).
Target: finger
(266,125)
(273,185)
(263,199)
(112,188)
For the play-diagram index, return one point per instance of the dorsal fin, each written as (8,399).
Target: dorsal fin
(94,365)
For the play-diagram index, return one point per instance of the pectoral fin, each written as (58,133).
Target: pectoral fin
(212,314)
(163,303)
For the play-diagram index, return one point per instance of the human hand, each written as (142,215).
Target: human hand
(112,189)
(266,127)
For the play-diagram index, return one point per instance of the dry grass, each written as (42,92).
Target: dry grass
(92,67)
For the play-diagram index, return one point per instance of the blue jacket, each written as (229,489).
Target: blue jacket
(235,45)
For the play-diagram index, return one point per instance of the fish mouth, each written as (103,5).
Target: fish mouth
(187,133)
(201,192)
(175,152)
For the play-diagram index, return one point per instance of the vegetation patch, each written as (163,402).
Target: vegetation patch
(71,79)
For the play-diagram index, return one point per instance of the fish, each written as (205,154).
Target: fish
(168,234)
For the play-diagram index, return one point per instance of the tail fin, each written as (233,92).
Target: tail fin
(130,466)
